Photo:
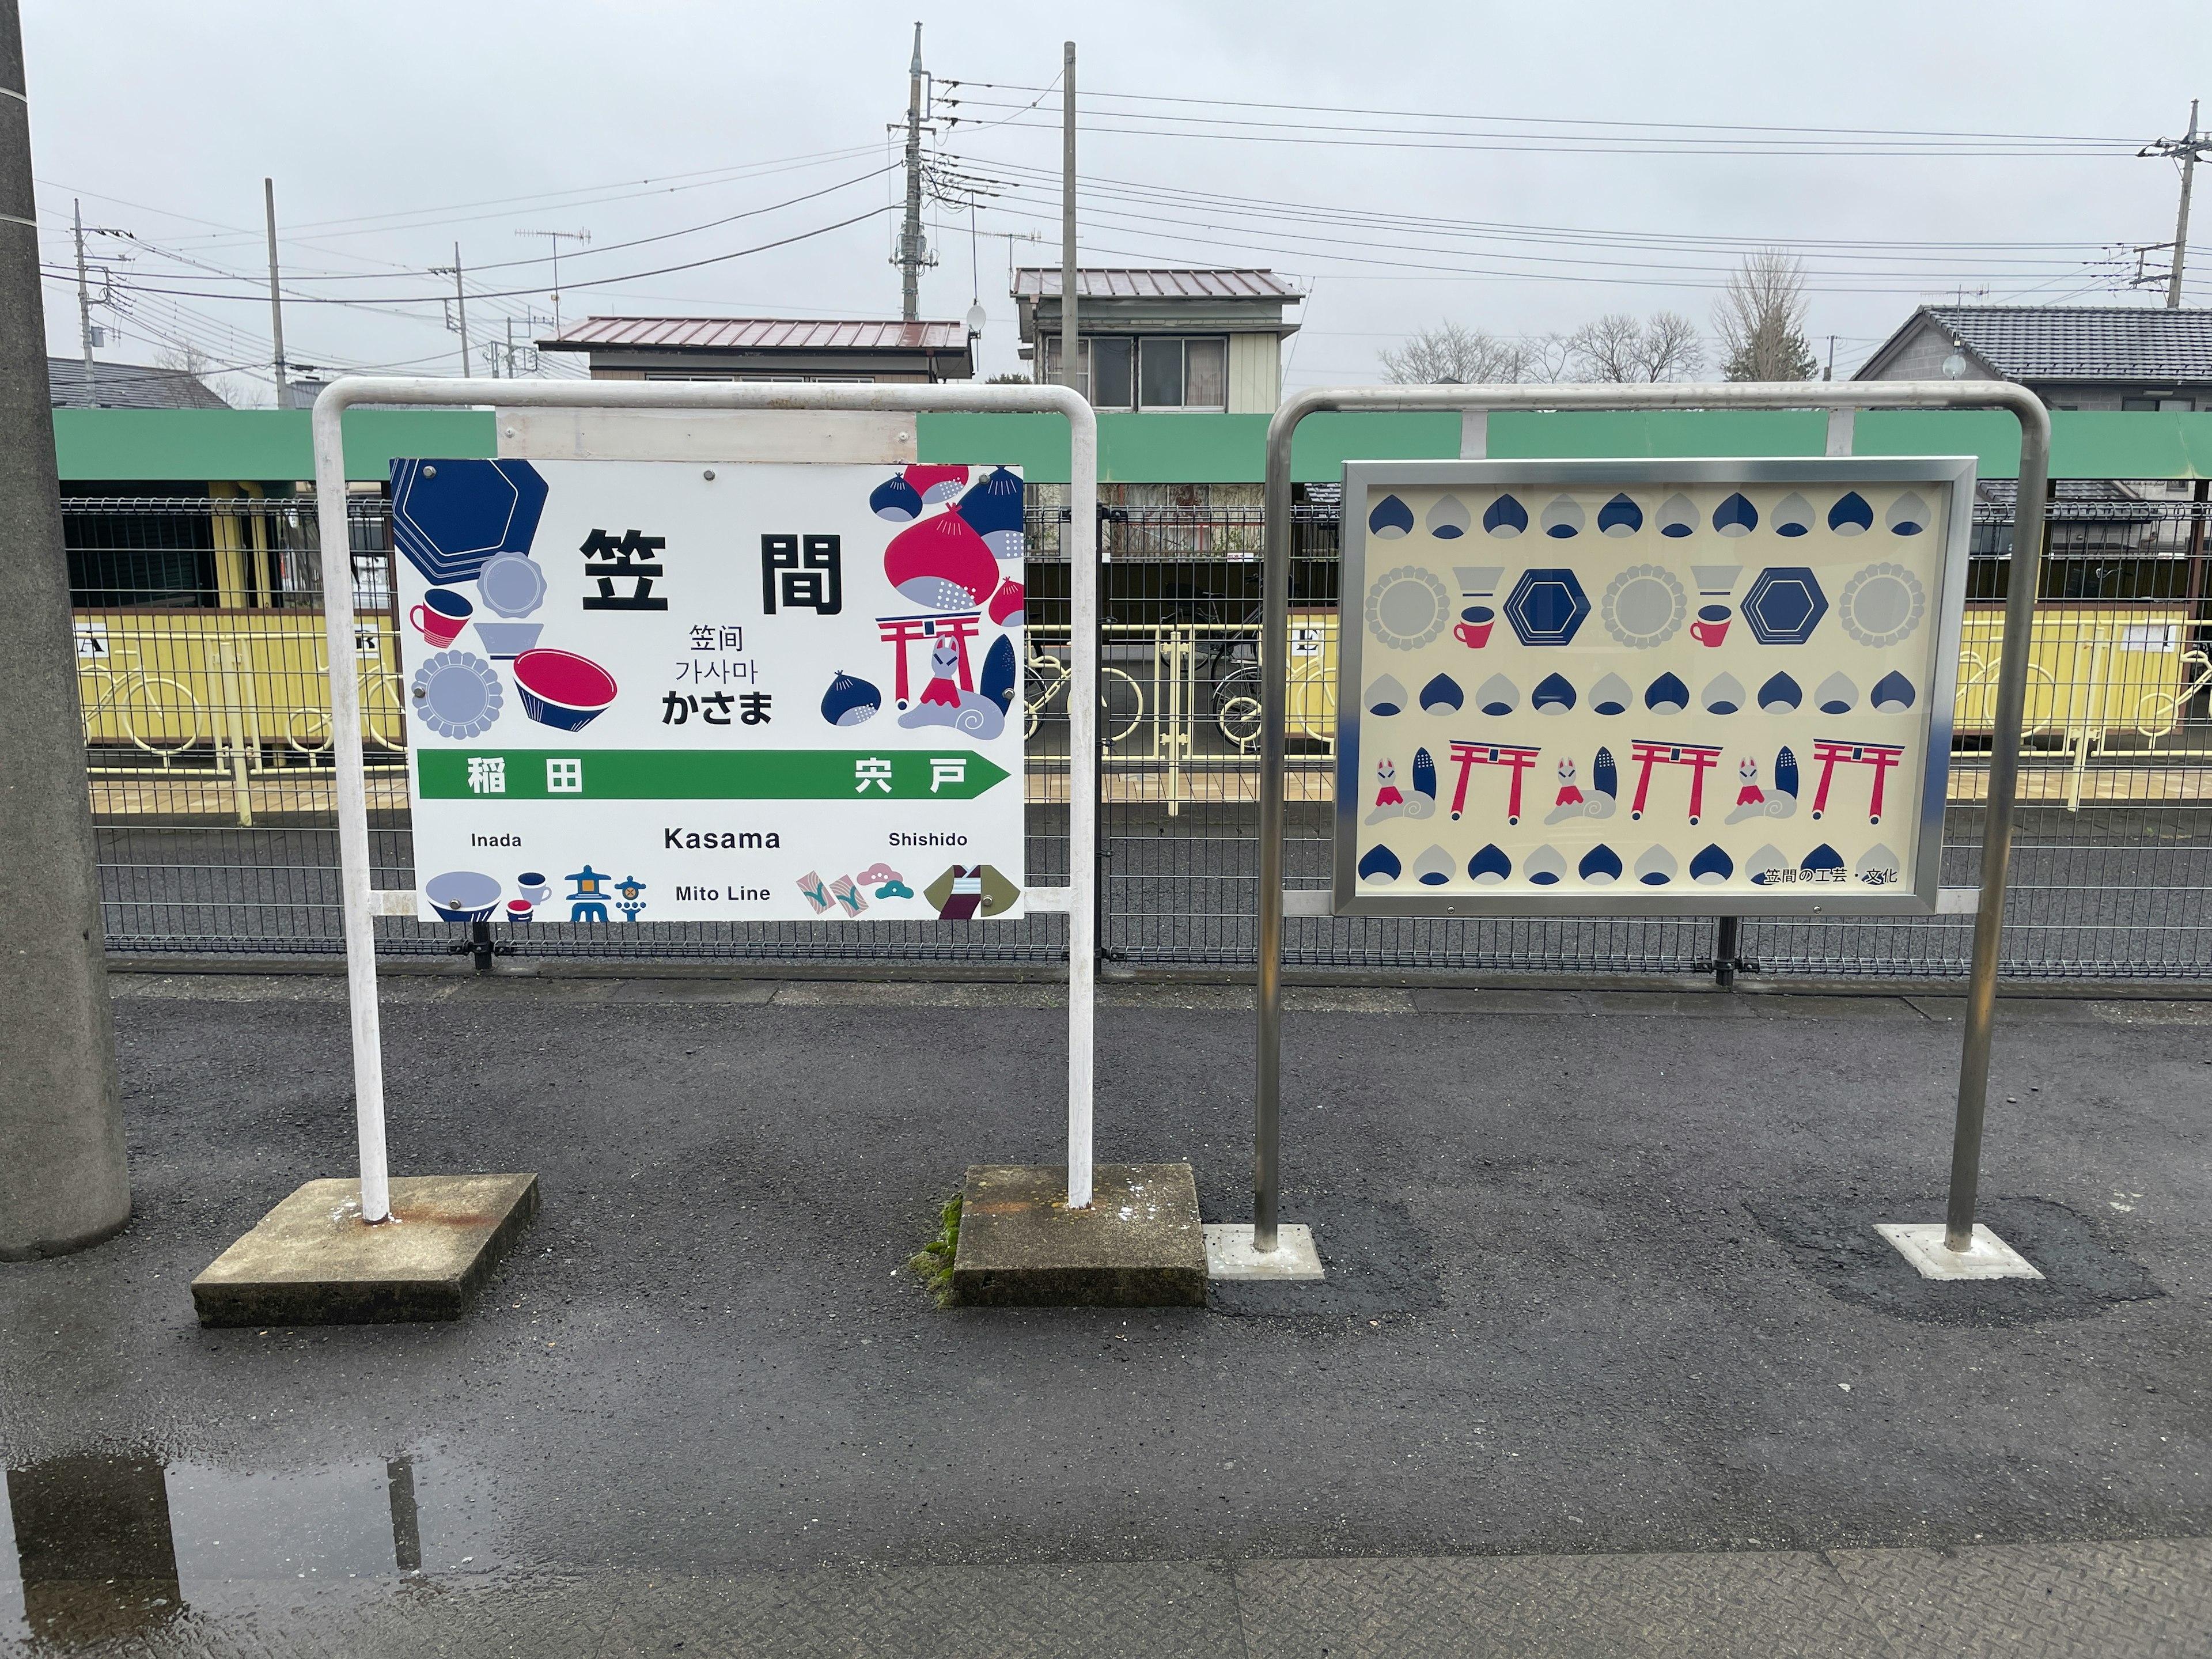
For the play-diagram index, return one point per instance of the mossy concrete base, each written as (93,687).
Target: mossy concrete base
(313,1260)
(1138,1244)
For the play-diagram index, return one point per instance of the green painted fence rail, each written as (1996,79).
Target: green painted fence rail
(148,445)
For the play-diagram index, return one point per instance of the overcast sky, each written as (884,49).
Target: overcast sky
(393,131)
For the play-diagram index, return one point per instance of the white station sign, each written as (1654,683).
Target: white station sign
(645,692)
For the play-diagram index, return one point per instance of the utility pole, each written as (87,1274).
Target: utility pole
(1068,343)
(557,237)
(914,252)
(460,304)
(64,1184)
(276,300)
(2189,151)
(83,301)
(1830,373)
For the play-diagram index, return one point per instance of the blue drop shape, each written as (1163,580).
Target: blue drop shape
(897,500)
(1381,863)
(1735,516)
(1490,862)
(1850,516)
(1505,517)
(1601,862)
(1780,691)
(1714,862)
(1892,694)
(849,701)
(1441,693)
(1785,772)
(1619,517)
(998,681)
(1605,776)
(1823,857)
(1391,518)
(1552,691)
(1425,773)
(1667,695)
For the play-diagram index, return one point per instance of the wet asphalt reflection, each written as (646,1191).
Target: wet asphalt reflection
(95,1547)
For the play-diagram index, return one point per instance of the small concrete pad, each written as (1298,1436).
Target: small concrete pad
(1138,1244)
(1229,1254)
(1922,1244)
(311,1261)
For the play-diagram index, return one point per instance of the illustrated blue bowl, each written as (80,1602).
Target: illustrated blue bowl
(462,895)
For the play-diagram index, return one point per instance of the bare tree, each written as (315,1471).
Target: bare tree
(1761,320)
(1620,349)
(1451,353)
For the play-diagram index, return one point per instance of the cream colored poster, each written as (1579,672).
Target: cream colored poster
(1635,687)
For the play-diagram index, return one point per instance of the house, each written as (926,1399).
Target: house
(2107,357)
(1163,339)
(768,349)
(127,386)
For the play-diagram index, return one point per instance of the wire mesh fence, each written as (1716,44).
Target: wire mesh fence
(204,680)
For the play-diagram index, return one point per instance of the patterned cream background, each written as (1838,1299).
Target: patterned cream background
(1651,606)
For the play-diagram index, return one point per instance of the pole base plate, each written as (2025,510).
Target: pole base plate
(1229,1254)
(1922,1244)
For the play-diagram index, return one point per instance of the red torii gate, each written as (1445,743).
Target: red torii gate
(1698,757)
(1472,754)
(1880,756)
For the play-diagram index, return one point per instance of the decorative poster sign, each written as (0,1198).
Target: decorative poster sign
(1647,687)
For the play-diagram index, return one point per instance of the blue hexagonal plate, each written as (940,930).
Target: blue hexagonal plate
(449,517)
(1546,606)
(1784,605)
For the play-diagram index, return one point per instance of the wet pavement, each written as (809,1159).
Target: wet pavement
(1608,1360)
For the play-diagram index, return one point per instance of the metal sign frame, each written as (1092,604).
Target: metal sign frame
(362,904)
(1956,472)
(1472,405)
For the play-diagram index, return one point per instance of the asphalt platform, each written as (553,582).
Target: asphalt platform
(1610,1360)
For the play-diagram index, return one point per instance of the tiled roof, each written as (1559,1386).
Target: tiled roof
(755,334)
(128,386)
(2086,343)
(1043,283)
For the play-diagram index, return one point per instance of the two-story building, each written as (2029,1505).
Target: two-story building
(1163,339)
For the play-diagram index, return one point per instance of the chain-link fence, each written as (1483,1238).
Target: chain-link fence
(204,680)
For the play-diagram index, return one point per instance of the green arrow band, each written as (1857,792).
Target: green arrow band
(700,774)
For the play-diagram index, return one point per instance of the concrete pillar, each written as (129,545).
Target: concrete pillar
(62,1181)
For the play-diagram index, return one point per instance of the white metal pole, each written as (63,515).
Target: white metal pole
(353,798)
(1082,544)
(1082,787)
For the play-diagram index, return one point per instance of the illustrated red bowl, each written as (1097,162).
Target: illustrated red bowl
(562,690)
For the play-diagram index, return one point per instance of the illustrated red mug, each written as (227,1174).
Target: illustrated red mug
(1472,629)
(442,615)
(1711,625)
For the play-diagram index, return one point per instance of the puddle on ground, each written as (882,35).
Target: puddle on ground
(99,1546)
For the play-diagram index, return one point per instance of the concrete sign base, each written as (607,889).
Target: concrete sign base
(1922,1244)
(311,1261)
(1229,1254)
(1139,1244)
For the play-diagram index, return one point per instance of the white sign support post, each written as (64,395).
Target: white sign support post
(1956,1249)
(362,904)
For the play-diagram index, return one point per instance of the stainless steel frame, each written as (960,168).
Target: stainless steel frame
(1473,404)
(1955,474)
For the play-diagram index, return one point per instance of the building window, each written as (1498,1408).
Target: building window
(1152,371)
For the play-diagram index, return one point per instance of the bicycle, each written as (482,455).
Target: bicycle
(1121,701)
(134,698)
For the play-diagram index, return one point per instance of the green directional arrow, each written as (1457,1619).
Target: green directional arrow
(700,774)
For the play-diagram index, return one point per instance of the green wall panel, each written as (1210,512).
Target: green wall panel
(197,445)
